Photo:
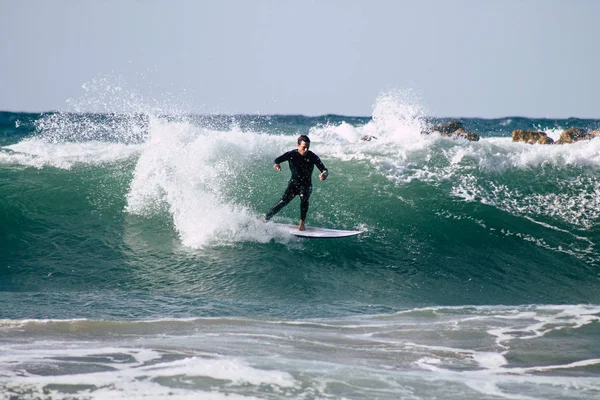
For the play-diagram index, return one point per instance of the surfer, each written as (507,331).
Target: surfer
(302,162)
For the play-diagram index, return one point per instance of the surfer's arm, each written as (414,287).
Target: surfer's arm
(280,159)
(324,172)
(283,157)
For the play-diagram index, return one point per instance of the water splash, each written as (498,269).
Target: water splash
(187,170)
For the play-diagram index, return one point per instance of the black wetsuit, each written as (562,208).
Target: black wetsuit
(300,182)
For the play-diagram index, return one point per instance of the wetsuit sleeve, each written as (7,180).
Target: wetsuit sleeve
(319,163)
(283,157)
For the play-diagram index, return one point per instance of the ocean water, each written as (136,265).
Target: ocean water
(133,263)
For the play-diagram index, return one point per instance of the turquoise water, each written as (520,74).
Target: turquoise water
(133,261)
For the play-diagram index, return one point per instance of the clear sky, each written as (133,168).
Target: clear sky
(469,58)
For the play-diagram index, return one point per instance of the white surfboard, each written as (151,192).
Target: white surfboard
(315,232)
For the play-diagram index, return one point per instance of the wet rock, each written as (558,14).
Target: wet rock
(572,135)
(448,127)
(461,133)
(531,137)
(453,129)
(367,138)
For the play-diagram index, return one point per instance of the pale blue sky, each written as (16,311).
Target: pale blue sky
(487,58)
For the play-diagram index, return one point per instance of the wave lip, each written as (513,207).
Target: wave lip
(39,154)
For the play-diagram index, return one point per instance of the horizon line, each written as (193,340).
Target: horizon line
(284,115)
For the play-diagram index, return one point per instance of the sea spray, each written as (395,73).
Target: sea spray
(186,170)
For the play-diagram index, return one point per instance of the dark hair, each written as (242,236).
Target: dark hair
(303,138)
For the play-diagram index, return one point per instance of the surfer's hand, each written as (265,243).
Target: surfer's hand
(323,175)
(277,167)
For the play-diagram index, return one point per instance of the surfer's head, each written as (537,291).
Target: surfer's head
(303,144)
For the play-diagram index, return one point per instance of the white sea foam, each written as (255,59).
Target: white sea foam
(545,320)
(577,203)
(141,376)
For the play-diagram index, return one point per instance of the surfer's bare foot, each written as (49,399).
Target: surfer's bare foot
(301,227)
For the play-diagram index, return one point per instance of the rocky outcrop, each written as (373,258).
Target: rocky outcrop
(449,127)
(367,138)
(531,137)
(456,130)
(453,129)
(461,133)
(572,135)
